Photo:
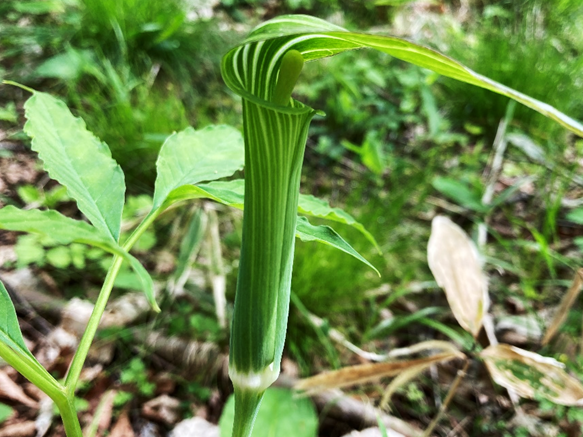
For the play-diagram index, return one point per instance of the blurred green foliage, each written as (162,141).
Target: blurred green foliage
(529,45)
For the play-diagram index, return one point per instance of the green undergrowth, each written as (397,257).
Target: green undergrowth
(135,71)
(509,41)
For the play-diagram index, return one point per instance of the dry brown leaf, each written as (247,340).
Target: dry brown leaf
(367,372)
(399,381)
(20,429)
(443,346)
(102,417)
(455,263)
(162,409)
(10,390)
(566,304)
(44,420)
(123,427)
(530,374)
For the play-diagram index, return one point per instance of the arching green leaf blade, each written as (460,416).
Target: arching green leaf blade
(315,38)
(312,206)
(78,160)
(190,157)
(305,231)
(231,193)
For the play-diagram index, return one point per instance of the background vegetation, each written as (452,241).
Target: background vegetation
(397,146)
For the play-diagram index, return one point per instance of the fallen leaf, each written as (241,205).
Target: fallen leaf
(123,427)
(455,263)
(10,390)
(162,409)
(368,372)
(530,374)
(566,304)
(21,429)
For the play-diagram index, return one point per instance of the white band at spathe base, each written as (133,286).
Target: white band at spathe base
(254,381)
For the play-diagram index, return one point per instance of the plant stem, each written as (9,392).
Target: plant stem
(89,334)
(32,371)
(247,404)
(91,329)
(68,413)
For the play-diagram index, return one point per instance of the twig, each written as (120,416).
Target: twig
(450,394)
(218,279)
(499,148)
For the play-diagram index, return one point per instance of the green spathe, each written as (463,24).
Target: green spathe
(275,141)
(269,224)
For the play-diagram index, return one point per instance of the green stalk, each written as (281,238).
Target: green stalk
(275,140)
(91,329)
(85,344)
(31,370)
(68,413)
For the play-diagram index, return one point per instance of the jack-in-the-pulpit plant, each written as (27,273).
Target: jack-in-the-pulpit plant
(83,164)
(263,70)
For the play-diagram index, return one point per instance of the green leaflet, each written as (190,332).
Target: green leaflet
(9,329)
(315,39)
(11,336)
(231,193)
(65,230)
(62,229)
(190,157)
(325,234)
(282,413)
(78,160)
(312,206)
